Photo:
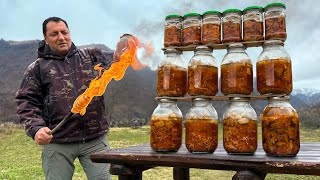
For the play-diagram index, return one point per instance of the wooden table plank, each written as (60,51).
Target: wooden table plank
(307,161)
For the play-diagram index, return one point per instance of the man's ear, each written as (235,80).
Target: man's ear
(45,39)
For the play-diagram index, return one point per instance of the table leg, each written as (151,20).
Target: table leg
(130,177)
(181,173)
(126,173)
(248,175)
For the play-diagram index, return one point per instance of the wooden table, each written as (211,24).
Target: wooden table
(130,162)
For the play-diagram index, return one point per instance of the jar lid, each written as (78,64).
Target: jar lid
(232,10)
(252,7)
(280,98)
(201,99)
(166,100)
(172,50)
(275,4)
(273,41)
(173,16)
(237,44)
(204,47)
(239,98)
(192,14)
(212,12)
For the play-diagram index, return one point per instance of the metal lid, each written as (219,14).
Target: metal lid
(126,34)
(166,100)
(201,99)
(279,98)
(237,44)
(172,50)
(273,42)
(239,98)
(203,47)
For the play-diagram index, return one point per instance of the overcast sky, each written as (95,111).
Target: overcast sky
(104,21)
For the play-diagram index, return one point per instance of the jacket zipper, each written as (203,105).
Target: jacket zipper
(81,126)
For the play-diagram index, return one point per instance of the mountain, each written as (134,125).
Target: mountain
(307,95)
(127,100)
(131,100)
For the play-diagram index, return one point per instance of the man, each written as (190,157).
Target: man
(46,95)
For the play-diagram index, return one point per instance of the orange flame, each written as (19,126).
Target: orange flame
(117,70)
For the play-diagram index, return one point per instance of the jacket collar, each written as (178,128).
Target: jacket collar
(45,52)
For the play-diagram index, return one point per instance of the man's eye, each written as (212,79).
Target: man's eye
(65,32)
(53,34)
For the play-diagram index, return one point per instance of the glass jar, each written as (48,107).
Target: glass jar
(201,127)
(202,73)
(231,25)
(275,21)
(191,29)
(211,27)
(172,75)
(240,127)
(122,46)
(166,126)
(280,128)
(274,73)
(172,30)
(236,71)
(252,23)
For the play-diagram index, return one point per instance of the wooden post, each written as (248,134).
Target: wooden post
(181,173)
(248,175)
(125,173)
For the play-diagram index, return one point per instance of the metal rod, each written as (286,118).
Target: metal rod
(64,120)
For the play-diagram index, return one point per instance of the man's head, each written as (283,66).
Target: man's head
(56,34)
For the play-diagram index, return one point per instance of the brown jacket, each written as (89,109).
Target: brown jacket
(50,86)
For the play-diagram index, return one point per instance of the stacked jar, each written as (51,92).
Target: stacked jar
(202,73)
(166,127)
(275,21)
(202,118)
(253,23)
(231,25)
(236,71)
(240,127)
(191,29)
(280,128)
(274,72)
(201,127)
(172,30)
(211,27)
(166,120)
(172,75)
(280,124)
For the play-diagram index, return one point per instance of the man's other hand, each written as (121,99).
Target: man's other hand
(42,137)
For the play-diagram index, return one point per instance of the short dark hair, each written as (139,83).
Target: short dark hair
(55,19)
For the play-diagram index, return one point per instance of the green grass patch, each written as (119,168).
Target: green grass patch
(20,157)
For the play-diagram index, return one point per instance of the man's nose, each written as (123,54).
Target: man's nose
(60,36)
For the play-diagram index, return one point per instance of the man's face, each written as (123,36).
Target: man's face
(58,37)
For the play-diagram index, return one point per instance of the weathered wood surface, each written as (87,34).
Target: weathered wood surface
(307,161)
(217,46)
(224,98)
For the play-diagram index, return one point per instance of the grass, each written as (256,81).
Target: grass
(20,157)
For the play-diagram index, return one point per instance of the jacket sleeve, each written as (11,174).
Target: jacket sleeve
(102,57)
(29,99)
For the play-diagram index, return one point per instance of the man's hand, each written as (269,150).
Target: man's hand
(122,45)
(42,137)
